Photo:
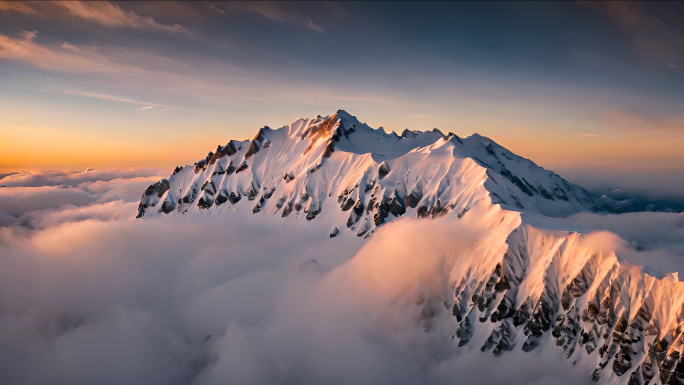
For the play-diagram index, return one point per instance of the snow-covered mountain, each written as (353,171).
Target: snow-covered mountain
(518,288)
(342,168)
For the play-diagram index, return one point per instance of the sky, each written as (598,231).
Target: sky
(580,88)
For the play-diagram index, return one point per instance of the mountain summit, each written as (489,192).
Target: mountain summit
(338,167)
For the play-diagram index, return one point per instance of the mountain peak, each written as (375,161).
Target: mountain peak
(328,165)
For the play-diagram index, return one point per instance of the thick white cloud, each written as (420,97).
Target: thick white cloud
(90,295)
(43,199)
(70,179)
(18,200)
(191,301)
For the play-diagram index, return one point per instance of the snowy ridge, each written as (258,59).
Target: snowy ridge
(558,288)
(517,288)
(306,166)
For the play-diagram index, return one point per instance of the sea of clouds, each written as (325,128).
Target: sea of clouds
(91,295)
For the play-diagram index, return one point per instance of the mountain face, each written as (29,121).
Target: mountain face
(336,165)
(520,289)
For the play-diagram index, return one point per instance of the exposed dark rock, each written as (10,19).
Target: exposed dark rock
(158,188)
(313,211)
(636,378)
(363,230)
(329,149)
(545,194)
(422,211)
(268,193)
(252,149)
(575,289)
(383,170)
(522,315)
(622,363)
(252,191)
(397,206)
(358,207)
(190,196)
(208,187)
(241,167)
(201,165)
(437,208)
(560,194)
(347,204)
(227,150)
(505,309)
(334,232)
(255,144)
(516,181)
(464,332)
(204,203)
(167,207)
(413,198)
(490,150)
(221,198)
(356,214)
(234,197)
(287,209)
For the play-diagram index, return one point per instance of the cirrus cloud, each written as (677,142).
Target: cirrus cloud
(100,12)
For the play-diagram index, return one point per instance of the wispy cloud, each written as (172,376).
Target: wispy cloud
(143,72)
(15,6)
(66,57)
(273,11)
(145,106)
(625,120)
(112,15)
(653,28)
(217,9)
(100,12)
(670,64)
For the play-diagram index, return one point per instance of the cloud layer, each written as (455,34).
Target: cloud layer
(40,200)
(90,295)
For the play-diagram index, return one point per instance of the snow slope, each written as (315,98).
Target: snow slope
(517,287)
(359,177)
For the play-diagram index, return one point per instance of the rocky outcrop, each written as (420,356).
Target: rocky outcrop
(152,195)
(604,312)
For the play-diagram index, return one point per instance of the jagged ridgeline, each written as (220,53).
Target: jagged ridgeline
(552,287)
(361,177)
(527,289)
